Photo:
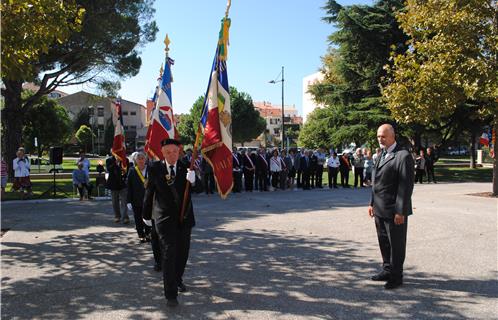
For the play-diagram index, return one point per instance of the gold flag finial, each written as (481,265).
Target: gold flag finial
(166,42)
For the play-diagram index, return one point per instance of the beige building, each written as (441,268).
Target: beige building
(308,103)
(100,112)
(273,117)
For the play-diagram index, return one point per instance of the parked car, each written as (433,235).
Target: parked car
(458,151)
(45,165)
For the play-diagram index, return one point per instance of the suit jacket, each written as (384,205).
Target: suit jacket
(117,178)
(392,184)
(261,165)
(136,189)
(236,165)
(313,163)
(160,202)
(247,165)
(305,166)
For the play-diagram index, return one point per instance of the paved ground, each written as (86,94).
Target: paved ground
(279,255)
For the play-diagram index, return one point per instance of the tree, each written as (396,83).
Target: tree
(187,128)
(452,60)
(247,124)
(84,135)
(353,68)
(99,46)
(49,123)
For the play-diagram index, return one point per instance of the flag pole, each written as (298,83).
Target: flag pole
(196,145)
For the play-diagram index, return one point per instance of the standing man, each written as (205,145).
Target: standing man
(305,166)
(391,205)
(430,159)
(248,167)
(297,166)
(262,170)
(333,169)
(163,202)
(116,182)
(320,158)
(237,171)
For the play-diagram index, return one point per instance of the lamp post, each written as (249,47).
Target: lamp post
(283,127)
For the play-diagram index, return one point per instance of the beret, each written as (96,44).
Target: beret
(167,141)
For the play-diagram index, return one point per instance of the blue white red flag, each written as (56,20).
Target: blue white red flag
(216,118)
(162,124)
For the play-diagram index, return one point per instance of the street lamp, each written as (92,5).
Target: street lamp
(282,81)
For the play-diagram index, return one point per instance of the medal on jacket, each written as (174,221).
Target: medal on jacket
(170,179)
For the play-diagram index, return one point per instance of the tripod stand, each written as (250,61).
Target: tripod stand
(54,188)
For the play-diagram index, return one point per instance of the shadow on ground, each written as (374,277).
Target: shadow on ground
(240,272)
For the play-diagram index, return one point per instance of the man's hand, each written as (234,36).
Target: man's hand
(130,207)
(371,211)
(191,176)
(148,223)
(399,219)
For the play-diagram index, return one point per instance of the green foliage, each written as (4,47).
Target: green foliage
(84,135)
(452,59)
(187,128)
(49,122)
(247,124)
(82,118)
(353,68)
(30,28)
(108,136)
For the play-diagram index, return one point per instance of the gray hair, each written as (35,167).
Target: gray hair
(137,154)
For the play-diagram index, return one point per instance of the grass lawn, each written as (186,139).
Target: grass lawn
(69,164)
(459,174)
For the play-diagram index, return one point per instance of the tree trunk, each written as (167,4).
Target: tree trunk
(473,150)
(495,159)
(12,122)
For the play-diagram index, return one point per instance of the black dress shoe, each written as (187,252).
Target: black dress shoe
(182,287)
(381,276)
(172,303)
(157,267)
(393,284)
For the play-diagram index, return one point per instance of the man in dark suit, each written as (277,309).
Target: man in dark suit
(391,204)
(237,171)
(262,170)
(249,168)
(305,167)
(116,182)
(163,202)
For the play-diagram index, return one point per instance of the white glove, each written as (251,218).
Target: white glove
(128,205)
(148,223)
(191,176)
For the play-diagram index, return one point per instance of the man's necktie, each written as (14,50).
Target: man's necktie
(383,155)
(172,171)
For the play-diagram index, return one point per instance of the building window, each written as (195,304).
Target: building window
(133,128)
(276,131)
(125,113)
(100,111)
(133,113)
(91,111)
(101,127)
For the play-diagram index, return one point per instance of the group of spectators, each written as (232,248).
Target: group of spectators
(265,169)
(260,170)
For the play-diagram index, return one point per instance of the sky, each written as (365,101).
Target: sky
(264,36)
